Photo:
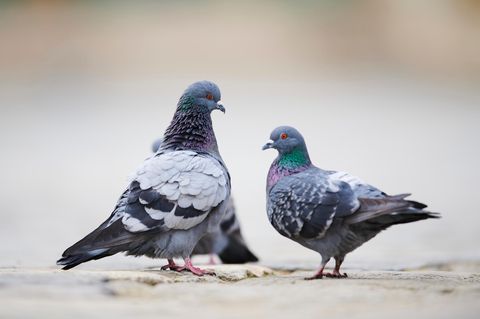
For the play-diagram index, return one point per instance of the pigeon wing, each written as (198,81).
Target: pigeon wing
(359,187)
(374,202)
(304,205)
(175,190)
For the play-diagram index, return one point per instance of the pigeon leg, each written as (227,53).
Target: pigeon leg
(211,260)
(319,274)
(336,272)
(195,270)
(172,266)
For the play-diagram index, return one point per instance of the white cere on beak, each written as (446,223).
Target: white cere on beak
(268,145)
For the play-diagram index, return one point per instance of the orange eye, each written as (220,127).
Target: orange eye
(283,136)
(209,96)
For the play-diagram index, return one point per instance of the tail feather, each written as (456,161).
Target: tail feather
(106,240)
(373,208)
(378,214)
(70,261)
(369,228)
(86,243)
(417,205)
(403,217)
(236,252)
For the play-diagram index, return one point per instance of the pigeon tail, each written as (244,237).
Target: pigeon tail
(108,239)
(236,252)
(369,228)
(70,261)
(383,222)
(372,208)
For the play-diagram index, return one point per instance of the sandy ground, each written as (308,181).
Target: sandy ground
(436,291)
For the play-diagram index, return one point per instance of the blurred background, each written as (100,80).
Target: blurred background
(388,90)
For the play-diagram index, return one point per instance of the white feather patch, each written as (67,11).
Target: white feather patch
(132,224)
(187,178)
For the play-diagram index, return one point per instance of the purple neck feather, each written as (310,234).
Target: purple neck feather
(277,172)
(191,130)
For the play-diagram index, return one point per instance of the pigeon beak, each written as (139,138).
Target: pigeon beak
(268,146)
(220,107)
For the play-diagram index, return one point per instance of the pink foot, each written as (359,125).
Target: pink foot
(336,274)
(195,270)
(172,266)
(318,275)
(315,277)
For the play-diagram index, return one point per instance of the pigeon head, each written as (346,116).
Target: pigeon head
(290,146)
(285,139)
(201,97)
(191,127)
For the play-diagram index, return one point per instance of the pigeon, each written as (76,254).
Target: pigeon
(226,241)
(330,212)
(174,198)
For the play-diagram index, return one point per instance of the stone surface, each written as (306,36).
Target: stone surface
(239,292)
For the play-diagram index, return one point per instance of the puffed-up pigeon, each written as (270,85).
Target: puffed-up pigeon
(226,241)
(332,213)
(174,198)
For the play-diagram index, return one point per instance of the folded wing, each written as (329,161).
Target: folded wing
(304,205)
(170,191)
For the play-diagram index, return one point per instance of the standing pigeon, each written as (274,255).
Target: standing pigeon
(226,241)
(332,213)
(174,198)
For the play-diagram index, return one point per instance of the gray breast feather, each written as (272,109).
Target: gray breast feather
(174,190)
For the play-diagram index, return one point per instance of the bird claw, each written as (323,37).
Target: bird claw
(195,270)
(336,274)
(187,267)
(173,268)
(165,267)
(315,277)
(199,272)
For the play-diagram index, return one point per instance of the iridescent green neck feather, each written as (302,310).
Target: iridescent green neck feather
(287,164)
(295,158)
